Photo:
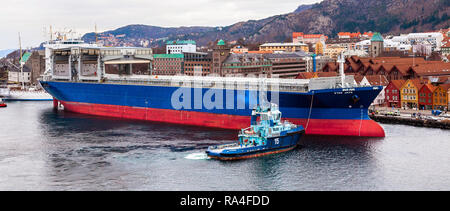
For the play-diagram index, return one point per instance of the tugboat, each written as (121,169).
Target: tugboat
(266,135)
(2,104)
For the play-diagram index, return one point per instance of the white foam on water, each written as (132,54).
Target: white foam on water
(197,156)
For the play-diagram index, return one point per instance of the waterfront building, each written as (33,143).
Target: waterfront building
(246,64)
(300,37)
(198,61)
(393,93)
(440,97)
(394,68)
(220,53)
(168,64)
(284,47)
(426,97)
(287,65)
(37,65)
(409,93)
(181,46)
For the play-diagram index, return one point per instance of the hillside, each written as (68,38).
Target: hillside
(328,17)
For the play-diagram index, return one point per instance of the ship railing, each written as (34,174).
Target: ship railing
(297,85)
(224,146)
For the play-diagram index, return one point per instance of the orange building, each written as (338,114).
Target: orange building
(440,97)
(300,37)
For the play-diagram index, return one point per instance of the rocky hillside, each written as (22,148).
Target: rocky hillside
(328,17)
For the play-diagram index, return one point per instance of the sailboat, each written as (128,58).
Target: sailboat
(25,93)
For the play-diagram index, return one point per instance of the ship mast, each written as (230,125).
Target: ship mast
(341,61)
(21,65)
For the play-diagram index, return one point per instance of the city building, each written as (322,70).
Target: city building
(349,35)
(409,93)
(333,51)
(37,65)
(300,37)
(197,62)
(346,43)
(3,75)
(220,53)
(284,47)
(181,46)
(392,93)
(318,49)
(239,49)
(363,46)
(287,65)
(17,76)
(440,97)
(445,48)
(246,64)
(376,45)
(168,64)
(433,38)
(390,45)
(426,97)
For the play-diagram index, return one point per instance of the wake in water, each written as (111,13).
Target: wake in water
(197,156)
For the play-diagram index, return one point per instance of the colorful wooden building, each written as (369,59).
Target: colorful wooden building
(410,93)
(426,97)
(392,93)
(440,97)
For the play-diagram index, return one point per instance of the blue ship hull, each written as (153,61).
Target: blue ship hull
(283,143)
(322,112)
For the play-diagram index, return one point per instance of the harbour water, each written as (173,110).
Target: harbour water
(45,150)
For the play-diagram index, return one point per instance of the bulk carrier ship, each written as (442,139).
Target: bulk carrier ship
(117,82)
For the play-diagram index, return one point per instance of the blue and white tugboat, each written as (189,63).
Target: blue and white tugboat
(266,135)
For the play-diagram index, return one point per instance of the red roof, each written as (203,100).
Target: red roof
(377,80)
(301,34)
(351,35)
(398,83)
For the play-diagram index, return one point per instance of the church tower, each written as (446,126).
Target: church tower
(376,45)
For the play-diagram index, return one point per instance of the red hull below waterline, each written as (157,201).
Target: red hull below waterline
(362,128)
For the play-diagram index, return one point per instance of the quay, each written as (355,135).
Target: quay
(443,124)
(416,118)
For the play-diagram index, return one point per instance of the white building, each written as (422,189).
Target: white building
(433,38)
(181,46)
(396,44)
(363,46)
(17,76)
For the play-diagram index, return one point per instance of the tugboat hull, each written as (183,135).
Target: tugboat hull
(275,145)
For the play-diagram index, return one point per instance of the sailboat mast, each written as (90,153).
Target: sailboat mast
(21,64)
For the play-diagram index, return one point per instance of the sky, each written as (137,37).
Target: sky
(32,18)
